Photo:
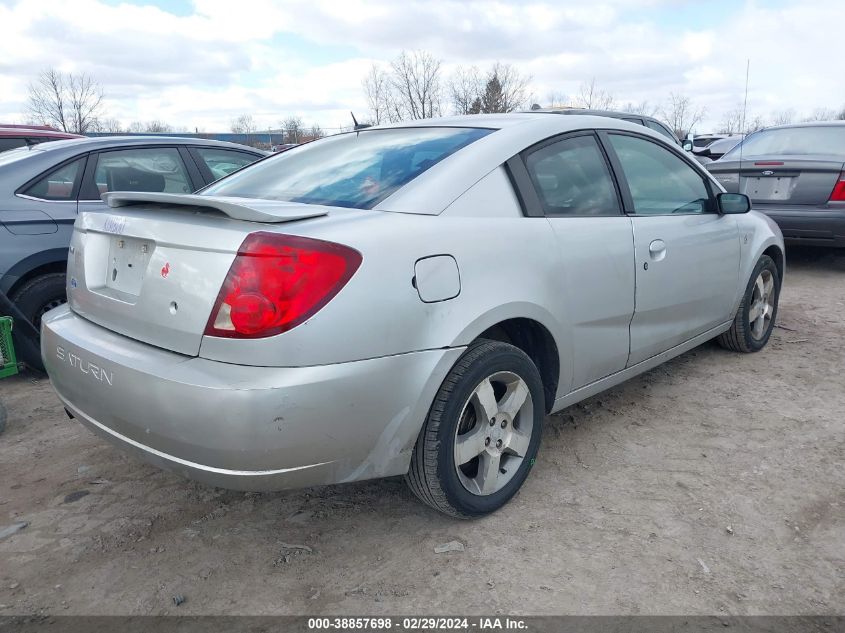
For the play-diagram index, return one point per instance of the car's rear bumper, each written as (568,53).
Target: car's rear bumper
(818,226)
(243,427)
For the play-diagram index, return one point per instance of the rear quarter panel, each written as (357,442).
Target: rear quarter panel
(505,272)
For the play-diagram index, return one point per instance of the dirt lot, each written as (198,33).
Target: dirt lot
(713,484)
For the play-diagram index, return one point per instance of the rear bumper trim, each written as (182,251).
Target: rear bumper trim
(172,458)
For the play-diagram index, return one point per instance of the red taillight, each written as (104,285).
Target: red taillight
(838,193)
(277,282)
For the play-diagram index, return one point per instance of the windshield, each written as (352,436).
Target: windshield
(828,140)
(357,170)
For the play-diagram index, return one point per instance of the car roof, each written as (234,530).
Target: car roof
(572,111)
(806,124)
(437,187)
(108,142)
(34,132)
(484,121)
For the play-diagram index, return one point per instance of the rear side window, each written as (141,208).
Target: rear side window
(572,178)
(58,184)
(143,169)
(660,182)
(356,170)
(222,162)
(653,125)
(11,143)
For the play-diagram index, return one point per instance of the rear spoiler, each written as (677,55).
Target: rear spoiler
(249,209)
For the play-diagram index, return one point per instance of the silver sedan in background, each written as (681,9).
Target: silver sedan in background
(409,299)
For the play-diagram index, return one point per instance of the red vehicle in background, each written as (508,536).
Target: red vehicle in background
(12,136)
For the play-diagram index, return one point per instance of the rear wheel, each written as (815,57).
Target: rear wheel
(482,434)
(34,299)
(755,318)
(40,295)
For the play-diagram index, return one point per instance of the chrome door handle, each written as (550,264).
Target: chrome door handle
(657,250)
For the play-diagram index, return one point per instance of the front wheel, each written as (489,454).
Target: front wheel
(482,434)
(755,319)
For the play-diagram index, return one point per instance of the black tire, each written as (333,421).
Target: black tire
(33,299)
(433,475)
(739,338)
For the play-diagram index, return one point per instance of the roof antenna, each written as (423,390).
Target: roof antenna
(742,127)
(359,126)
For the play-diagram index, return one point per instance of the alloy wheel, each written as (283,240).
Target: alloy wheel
(494,433)
(762,304)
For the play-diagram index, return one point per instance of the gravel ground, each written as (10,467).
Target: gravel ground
(713,484)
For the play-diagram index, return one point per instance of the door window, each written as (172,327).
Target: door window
(222,162)
(149,169)
(660,182)
(58,184)
(572,178)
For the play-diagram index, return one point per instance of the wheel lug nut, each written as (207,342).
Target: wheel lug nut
(504,423)
(498,443)
(492,421)
(487,441)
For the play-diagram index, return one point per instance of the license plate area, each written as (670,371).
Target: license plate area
(768,188)
(127,264)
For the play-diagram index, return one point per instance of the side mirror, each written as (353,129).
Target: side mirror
(731,203)
(687,146)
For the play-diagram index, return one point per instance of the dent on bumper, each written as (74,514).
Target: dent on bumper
(243,427)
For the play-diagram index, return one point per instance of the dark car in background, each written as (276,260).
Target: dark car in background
(14,136)
(640,119)
(795,174)
(43,187)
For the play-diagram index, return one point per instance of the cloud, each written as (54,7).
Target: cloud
(307,57)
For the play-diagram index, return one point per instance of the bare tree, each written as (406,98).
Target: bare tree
(822,114)
(70,102)
(464,86)
(502,89)
(783,117)
(110,125)
(681,115)
(841,114)
(150,127)
(591,97)
(377,90)
(243,124)
(732,122)
(417,89)
(755,123)
(505,90)
(315,132)
(643,108)
(557,99)
(293,128)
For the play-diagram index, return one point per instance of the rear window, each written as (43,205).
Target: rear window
(356,170)
(828,140)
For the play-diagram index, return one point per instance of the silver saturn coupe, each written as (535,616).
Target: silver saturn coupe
(402,300)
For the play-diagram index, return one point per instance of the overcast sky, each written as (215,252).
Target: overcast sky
(200,63)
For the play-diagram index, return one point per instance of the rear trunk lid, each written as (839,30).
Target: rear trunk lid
(789,180)
(151,267)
